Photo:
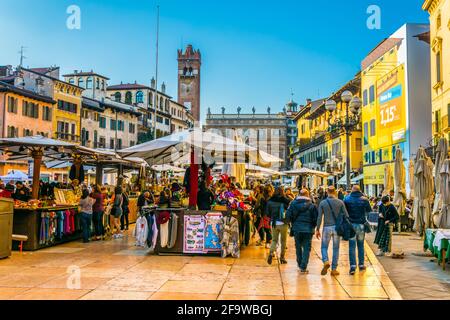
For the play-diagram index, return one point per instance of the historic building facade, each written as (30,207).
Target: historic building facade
(105,123)
(440,65)
(267,131)
(321,146)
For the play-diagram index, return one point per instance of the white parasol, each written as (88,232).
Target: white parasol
(388,179)
(423,189)
(444,221)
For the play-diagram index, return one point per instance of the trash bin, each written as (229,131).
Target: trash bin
(6,226)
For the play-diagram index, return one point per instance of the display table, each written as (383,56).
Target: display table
(438,242)
(62,224)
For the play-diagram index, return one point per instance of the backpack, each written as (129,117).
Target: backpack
(343,226)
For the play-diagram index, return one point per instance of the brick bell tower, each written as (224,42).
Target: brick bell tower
(189,64)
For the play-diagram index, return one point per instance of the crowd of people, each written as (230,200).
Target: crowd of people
(278,213)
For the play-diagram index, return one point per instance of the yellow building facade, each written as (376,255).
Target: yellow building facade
(67,115)
(323,147)
(439,11)
(396,103)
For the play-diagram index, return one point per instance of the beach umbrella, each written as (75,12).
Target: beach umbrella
(388,179)
(444,221)
(441,156)
(423,189)
(399,182)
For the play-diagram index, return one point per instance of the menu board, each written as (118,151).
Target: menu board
(194,234)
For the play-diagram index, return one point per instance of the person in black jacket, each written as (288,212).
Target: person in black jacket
(302,214)
(388,218)
(124,219)
(205,197)
(22,193)
(276,210)
(145,199)
(358,206)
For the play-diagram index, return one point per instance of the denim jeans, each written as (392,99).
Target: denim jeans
(357,241)
(279,232)
(86,222)
(245,228)
(328,234)
(303,248)
(97,219)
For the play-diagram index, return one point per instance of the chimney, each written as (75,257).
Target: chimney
(163,88)
(153,83)
(75,71)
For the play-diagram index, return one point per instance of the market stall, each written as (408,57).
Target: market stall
(198,232)
(437,241)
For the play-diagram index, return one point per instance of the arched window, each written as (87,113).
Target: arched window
(98,83)
(103,84)
(81,82)
(161,103)
(128,98)
(118,96)
(71,81)
(150,99)
(167,106)
(139,97)
(89,83)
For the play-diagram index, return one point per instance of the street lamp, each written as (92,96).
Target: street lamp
(352,105)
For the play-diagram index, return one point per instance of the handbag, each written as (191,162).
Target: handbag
(343,226)
(367,227)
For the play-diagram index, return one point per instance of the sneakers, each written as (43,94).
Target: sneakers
(334,273)
(325,268)
(268,245)
(380,253)
(269,259)
(362,268)
(283,261)
(259,243)
(352,271)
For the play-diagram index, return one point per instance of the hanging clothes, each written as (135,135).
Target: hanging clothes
(164,234)
(173,230)
(230,238)
(154,235)
(141,232)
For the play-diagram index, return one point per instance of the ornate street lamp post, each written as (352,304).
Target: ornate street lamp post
(352,119)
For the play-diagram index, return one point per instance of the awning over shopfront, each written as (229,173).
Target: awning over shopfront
(306,172)
(355,180)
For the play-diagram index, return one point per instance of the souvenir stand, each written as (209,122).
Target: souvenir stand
(197,232)
(47,222)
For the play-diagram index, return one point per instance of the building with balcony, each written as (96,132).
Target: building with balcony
(321,146)
(439,38)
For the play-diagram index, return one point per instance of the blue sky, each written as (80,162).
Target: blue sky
(254,51)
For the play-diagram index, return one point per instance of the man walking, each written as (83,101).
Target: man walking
(358,206)
(329,211)
(276,210)
(302,214)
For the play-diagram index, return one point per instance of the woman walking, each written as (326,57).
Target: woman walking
(86,203)
(263,220)
(387,219)
(117,211)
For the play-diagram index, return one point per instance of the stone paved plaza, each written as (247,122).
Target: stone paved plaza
(117,270)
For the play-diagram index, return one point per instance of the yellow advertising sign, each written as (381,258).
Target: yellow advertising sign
(391,109)
(375,174)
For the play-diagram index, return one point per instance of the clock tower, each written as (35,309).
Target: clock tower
(189,63)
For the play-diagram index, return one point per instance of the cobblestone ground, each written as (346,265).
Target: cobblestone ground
(416,277)
(117,270)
